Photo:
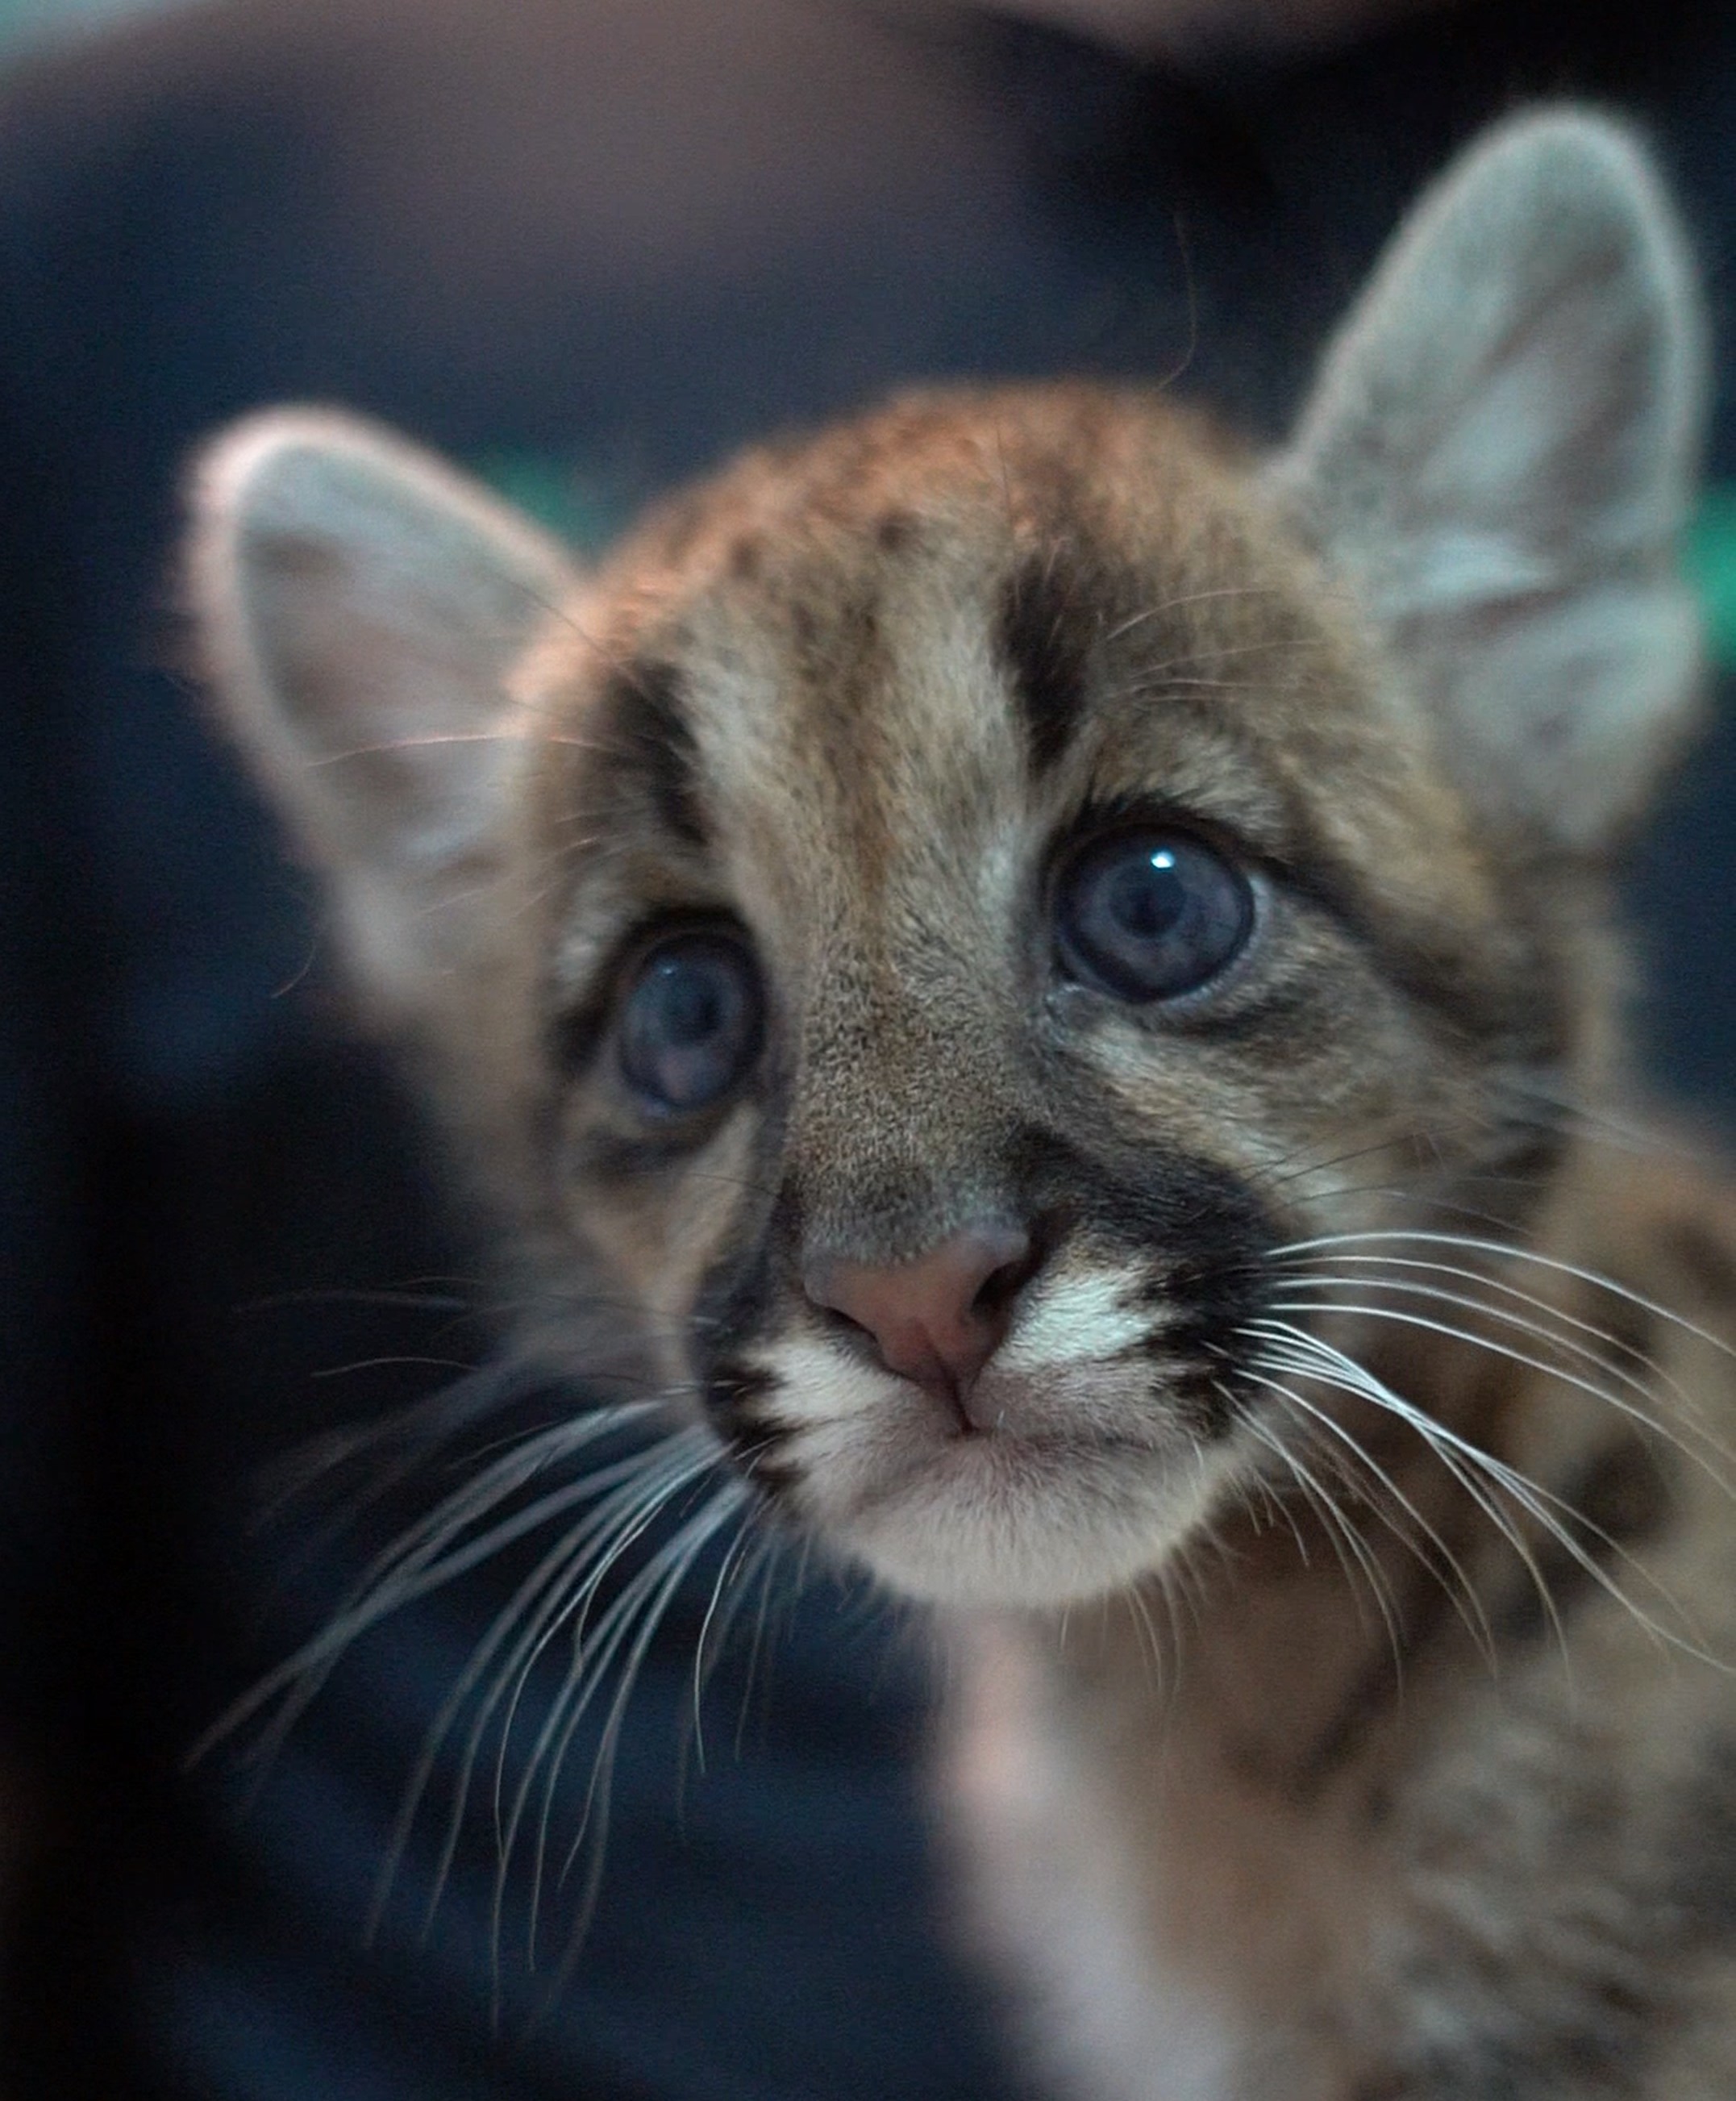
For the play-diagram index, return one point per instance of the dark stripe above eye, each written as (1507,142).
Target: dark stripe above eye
(1046,631)
(652,739)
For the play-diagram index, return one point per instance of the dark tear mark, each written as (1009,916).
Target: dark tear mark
(1047,629)
(738,1306)
(653,740)
(1709,1262)
(1620,1499)
(1422,1614)
(895,532)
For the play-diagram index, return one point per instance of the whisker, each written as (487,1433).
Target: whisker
(645,1599)
(1511,1252)
(424,1557)
(642,1483)
(1553,1109)
(574,1608)
(1187,598)
(1463,1461)
(1149,1642)
(1319,1359)
(715,1623)
(1342,1532)
(1635,1413)
(773,1550)
(1465,1600)
(726,1505)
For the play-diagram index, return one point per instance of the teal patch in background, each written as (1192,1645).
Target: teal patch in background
(586,507)
(1711,557)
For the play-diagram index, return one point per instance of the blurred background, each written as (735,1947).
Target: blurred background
(587,247)
(26,22)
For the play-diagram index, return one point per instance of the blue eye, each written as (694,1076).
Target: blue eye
(1146,916)
(690,1029)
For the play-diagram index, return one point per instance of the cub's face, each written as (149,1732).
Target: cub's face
(954,900)
(996,903)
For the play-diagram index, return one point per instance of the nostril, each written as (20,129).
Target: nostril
(997,1291)
(838,1315)
(939,1318)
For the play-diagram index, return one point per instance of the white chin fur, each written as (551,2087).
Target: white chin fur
(1082,1487)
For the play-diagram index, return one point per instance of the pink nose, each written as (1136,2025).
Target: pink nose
(938,1320)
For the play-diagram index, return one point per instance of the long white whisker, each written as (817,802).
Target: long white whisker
(1644,1417)
(643,1601)
(1465,1599)
(574,1610)
(1507,1290)
(685,1459)
(770,1553)
(1508,1252)
(418,1546)
(1310,1358)
(396,1578)
(1539,1503)
(647,1477)
(731,1500)
(1402,1316)
(1342,1532)
(715,1621)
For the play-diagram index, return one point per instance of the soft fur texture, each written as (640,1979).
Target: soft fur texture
(1310,1427)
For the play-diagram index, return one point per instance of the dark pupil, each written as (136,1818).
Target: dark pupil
(1146,897)
(691,1027)
(1145,917)
(690,1006)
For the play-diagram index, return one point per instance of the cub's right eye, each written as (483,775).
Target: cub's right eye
(692,1023)
(1145,915)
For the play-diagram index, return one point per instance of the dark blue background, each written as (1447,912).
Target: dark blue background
(623,234)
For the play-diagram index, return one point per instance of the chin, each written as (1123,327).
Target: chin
(1074,1488)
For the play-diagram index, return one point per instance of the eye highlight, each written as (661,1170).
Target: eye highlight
(691,1023)
(1148,915)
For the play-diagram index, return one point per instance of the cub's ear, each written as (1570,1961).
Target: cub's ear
(1499,456)
(359,609)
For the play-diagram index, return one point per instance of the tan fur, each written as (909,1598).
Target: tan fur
(1336,1865)
(1328,1726)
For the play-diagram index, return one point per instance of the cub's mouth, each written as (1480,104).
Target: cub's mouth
(1016,1416)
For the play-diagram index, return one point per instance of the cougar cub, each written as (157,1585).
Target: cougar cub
(1064,974)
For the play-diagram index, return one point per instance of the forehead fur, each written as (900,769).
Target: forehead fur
(889,645)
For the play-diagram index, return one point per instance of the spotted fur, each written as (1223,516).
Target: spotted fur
(1335,1541)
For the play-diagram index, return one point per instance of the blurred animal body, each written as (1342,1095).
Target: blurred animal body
(1065,975)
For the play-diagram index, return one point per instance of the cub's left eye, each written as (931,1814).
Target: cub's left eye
(1150,915)
(691,1026)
